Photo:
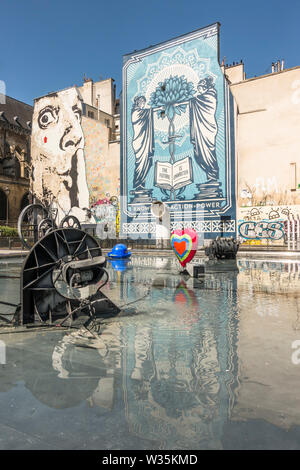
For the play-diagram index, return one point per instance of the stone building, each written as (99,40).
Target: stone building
(101,117)
(15,130)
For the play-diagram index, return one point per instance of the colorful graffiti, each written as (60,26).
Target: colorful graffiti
(264,229)
(105,212)
(177,136)
(275,225)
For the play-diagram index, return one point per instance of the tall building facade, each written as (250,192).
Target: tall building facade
(268,153)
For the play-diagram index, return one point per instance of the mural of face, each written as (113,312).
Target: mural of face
(57,132)
(57,149)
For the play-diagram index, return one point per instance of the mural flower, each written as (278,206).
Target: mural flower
(169,94)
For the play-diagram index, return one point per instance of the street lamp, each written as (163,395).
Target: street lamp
(7,191)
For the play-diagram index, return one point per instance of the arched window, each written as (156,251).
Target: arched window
(24,201)
(3,206)
(11,167)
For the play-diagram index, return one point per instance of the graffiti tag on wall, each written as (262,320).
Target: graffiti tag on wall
(264,229)
(274,224)
(105,214)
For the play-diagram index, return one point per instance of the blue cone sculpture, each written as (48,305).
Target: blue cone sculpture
(119,251)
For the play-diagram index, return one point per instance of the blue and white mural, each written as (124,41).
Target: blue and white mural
(177,137)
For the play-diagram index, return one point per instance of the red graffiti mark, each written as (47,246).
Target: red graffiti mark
(45,140)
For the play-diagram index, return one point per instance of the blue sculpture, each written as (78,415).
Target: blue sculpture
(119,251)
(119,264)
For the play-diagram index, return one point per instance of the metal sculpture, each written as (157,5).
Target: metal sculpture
(222,248)
(58,277)
(36,220)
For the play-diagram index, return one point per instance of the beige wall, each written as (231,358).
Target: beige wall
(234,73)
(102,160)
(104,88)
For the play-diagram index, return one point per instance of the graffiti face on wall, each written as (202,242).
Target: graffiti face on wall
(177,134)
(59,175)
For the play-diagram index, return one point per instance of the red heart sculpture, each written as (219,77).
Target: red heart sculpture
(184,244)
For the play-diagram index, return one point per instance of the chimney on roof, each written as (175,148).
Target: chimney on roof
(277,66)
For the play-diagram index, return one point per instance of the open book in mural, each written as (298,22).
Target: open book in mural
(174,97)
(173,176)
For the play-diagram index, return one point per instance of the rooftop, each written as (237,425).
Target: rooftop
(16,112)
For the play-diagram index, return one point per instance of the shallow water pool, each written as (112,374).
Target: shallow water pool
(185,365)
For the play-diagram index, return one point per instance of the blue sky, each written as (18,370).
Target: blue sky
(48,45)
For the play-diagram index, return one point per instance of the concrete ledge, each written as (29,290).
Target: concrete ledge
(258,254)
(13,254)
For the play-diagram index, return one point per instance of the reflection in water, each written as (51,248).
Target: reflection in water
(185,296)
(119,264)
(178,367)
(182,363)
(268,304)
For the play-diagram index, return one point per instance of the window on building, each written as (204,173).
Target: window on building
(3,205)
(91,114)
(107,122)
(11,167)
(24,201)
